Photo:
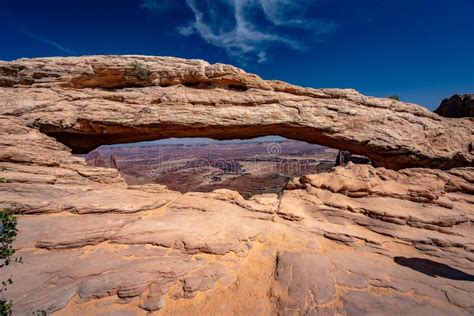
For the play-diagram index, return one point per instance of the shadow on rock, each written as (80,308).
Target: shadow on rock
(433,268)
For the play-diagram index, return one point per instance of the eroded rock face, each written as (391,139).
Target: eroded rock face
(457,106)
(355,241)
(88,101)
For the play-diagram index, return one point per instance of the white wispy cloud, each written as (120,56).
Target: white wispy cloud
(232,25)
(238,37)
(48,41)
(291,13)
(155,5)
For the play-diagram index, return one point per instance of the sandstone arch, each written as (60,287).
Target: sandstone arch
(85,102)
(200,251)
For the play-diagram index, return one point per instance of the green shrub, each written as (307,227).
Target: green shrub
(8,232)
(5,306)
(140,71)
(3,180)
(394,97)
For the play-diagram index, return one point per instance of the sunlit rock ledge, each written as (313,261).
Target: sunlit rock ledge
(392,238)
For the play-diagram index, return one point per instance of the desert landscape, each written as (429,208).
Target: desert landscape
(263,165)
(111,229)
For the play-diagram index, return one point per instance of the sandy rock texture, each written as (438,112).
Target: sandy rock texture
(88,101)
(359,240)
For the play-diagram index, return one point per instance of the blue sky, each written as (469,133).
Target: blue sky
(422,50)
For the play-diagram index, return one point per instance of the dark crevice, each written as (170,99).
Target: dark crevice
(136,85)
(41,75)
(236,87)
(198,85)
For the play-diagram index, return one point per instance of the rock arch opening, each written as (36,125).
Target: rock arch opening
(250,167)
(85,102)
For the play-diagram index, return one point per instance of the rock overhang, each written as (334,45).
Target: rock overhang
(85,102)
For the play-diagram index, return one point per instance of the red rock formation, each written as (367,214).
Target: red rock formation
(94,159)
(112,162)
(356,240)
(104,101)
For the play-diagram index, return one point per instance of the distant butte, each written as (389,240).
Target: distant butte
(457,106)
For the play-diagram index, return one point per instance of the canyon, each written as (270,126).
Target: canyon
(391,237)
(261,165)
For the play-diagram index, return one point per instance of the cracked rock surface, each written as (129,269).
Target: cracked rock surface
(88,101)
(358,240)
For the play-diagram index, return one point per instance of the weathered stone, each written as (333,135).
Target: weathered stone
(364,303)
(349,241)
(88,101)
(306,280)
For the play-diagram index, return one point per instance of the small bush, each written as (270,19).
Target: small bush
(394,97)
(140,71)
(3,180)
(8,231)
(5,306)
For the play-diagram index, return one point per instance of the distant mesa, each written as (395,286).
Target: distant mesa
(457,106)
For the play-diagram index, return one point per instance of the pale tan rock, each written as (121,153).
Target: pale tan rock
(88,101)
(355,240)
(307,278)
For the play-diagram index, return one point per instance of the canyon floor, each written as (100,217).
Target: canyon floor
(251,167)
(391,238)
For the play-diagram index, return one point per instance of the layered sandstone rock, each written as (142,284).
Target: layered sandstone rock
(357,240)
(88,101)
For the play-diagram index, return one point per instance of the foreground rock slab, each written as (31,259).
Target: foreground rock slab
(357,240)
